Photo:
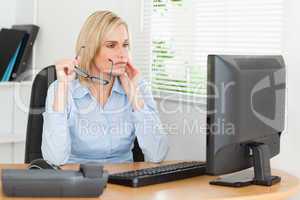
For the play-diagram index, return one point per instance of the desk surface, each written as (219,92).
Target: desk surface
(192,188)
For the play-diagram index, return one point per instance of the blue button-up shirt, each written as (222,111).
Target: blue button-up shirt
(86,131)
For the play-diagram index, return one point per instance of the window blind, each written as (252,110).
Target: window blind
(181,33)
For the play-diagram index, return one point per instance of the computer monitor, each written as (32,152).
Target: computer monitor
(245,116)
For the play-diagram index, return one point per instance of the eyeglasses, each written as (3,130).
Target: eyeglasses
(81,72)
(42,164)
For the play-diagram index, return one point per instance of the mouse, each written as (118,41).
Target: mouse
(42,164)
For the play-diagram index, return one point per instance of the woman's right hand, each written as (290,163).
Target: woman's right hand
(65,73)
(65,69)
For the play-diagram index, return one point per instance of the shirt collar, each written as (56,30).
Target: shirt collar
(117,87)
(80,90)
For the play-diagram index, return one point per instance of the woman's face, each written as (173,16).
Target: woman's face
(115,48)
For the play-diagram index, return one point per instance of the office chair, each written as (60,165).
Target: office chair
(35,119)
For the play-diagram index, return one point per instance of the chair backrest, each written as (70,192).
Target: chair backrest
(35,119)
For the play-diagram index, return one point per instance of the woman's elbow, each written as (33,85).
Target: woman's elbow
(56,158)
(161,153)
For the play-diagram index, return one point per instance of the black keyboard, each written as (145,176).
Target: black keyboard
(160,174)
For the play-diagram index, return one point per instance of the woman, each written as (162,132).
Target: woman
(97,119)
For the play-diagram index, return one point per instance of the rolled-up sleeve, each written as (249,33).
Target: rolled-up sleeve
(56,144)
(151,137)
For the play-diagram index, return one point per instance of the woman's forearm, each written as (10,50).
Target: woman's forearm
(56,144)
(60,96)
(138,101)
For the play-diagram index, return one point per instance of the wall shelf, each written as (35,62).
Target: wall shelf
(12,138)
(7,84)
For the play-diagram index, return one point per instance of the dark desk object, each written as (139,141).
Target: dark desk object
(35,119)
(42,164)
(11,44)
(25,61)
(89,181)
(159,174)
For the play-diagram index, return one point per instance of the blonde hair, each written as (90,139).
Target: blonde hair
(96,26)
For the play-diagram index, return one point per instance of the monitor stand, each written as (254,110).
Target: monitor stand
(261,174)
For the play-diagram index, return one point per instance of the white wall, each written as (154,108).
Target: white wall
(291,139)
(288,159)
(60,25)
(8,13)
(185,124)
(25,11)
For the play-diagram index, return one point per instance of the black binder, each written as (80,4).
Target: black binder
(25,61)
(10,43)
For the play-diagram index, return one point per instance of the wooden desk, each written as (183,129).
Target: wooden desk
(192,188)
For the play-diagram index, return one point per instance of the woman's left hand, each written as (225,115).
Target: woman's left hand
(129,81)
